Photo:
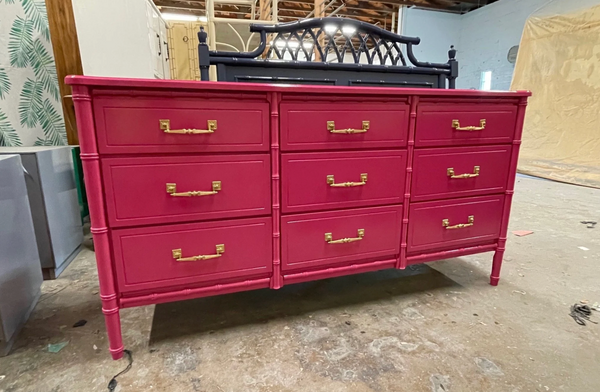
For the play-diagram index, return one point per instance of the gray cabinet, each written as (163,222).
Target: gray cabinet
(50,179)
(20,275)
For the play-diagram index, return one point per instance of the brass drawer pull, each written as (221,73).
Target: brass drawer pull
(329,238)
(332,183)
(446,223)
(481,127)
(331,128)
(172,190)
(465,175)
(177,255)
(165,125)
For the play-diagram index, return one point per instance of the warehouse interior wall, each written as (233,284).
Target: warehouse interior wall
(482,38)
(437,30)
(486,36)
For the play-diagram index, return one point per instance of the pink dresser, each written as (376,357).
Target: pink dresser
(201,188)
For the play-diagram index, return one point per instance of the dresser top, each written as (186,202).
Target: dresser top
(103,82)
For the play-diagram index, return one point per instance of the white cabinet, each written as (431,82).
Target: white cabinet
(165,55)
(122,38)
(20,273)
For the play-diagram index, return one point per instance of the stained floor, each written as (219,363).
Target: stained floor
(438,327)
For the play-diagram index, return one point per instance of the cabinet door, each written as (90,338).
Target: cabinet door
(155,42)
(166,56)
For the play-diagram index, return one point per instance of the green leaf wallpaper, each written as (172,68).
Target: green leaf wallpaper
(30,107)
(8,136)
(4,83)
(20,42)
(35,10)
(30,103)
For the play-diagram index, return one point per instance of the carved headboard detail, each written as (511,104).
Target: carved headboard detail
(329,51)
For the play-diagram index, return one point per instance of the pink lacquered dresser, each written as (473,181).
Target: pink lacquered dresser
(203,188)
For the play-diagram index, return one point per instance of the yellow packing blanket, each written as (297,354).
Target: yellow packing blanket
(559,61)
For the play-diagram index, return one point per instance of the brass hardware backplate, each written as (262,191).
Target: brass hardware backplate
(171,188)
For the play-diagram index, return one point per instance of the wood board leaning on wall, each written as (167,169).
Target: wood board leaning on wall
(66,55)
(183,44)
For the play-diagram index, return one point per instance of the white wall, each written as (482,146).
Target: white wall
(437,30)
(486,35)
(481,37)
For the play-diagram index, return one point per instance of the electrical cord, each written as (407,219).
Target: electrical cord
(581,314)
(112,384)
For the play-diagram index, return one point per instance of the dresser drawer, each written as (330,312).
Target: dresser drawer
(464,124)
(323,126)
(176,189)
(318,181)
(167,256)
(450,224)
(319,239)
(443,173)
(138,125)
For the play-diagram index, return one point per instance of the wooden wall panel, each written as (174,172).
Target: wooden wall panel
(66,54)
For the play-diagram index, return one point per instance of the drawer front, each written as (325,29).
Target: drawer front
(447,224)
(150,258)
(319,181)
(306,126)
(155,190)
(311,241)
(443,173)
(464,124)
(133,125)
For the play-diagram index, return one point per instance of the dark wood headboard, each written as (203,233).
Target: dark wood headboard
(331,51)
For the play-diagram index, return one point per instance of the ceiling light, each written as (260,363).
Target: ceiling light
(291,44)
(331,28)
(203,19)
(348,30)
(279,43)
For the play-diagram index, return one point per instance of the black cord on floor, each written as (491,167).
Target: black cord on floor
(581,314)
(112,384)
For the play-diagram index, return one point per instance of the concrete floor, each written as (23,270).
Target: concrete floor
(438,327)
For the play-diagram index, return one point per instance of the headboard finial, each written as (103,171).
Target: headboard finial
(202,36)
(452,53)
(203,54)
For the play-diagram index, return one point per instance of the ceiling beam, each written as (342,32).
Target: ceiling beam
(448,4)
(378,10)
(345,11)
(180,5)
(478,3)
